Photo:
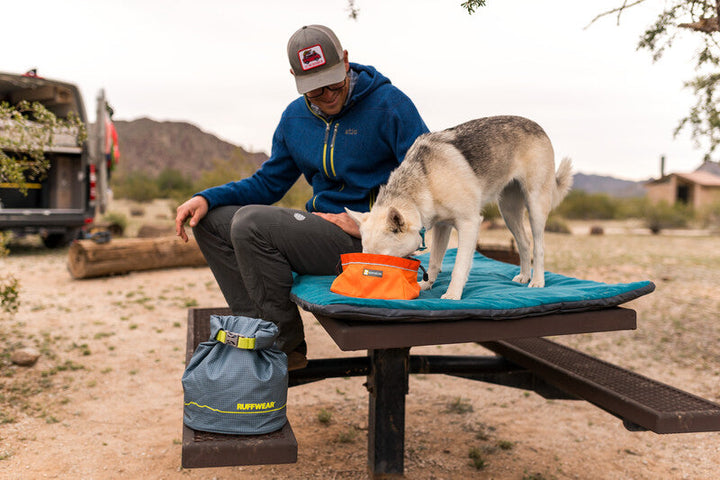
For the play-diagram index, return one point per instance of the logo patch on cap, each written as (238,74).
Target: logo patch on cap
(311,57)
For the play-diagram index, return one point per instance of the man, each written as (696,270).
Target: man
(347,132)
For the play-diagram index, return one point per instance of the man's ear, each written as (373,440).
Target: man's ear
(396,222)
(358,217)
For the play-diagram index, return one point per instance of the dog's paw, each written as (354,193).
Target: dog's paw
(425,285)
(451,296)
(522,278)
(537,283)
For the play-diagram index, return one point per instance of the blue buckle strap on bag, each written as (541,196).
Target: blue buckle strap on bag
(236,382)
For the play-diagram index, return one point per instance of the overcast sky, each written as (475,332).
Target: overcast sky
(222,65)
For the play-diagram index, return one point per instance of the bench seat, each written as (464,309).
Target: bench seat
(642,403)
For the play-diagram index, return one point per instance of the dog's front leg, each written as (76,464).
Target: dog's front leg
(438,245)
(467,241)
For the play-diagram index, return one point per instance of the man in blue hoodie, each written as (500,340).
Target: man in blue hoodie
(345,135)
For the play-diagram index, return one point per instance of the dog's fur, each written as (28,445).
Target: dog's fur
(446,179)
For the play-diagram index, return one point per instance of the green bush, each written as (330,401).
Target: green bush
(136,186)
(491,211)
(173,184)
(224,171)
(580,205)
(662,215)
(556,225)
(709,216)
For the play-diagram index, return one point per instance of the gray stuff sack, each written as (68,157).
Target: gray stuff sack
(237,381)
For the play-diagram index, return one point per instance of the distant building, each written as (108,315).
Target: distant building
(696,189)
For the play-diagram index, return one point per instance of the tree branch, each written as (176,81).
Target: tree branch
(706,25)
(619,10)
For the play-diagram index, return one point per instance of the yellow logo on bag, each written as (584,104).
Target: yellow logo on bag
(256,406)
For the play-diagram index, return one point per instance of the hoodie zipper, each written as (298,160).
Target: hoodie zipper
(332,150)
(331,157)
(325,147)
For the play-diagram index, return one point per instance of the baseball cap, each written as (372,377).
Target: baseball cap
(316,58)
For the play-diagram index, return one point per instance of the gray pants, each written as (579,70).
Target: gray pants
(253,250)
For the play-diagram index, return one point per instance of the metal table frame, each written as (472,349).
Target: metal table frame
(389,363)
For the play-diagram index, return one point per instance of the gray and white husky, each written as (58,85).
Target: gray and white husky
(446,179)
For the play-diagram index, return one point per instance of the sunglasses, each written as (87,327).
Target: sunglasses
(333,88)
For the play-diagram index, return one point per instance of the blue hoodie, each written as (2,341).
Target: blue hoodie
(345,158)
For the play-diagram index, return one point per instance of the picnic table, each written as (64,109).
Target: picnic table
(523,359)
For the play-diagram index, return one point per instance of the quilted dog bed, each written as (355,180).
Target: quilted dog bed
(489,293)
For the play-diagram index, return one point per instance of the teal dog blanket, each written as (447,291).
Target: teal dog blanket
(489,293)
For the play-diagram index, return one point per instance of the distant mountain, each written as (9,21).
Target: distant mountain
(611,186)
(149,146)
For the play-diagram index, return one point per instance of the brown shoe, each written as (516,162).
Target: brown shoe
(296,361)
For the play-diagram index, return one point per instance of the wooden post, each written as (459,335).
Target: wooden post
(87,259)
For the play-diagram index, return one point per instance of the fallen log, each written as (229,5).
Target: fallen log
(88,259)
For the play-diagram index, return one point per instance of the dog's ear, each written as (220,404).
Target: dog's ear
(358,217)
(396,222)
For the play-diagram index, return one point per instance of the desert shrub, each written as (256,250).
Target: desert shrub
(663,215)
(9,285)
(172,183)
(224,171)
(555,224)
(632,207)
(709,216)
(137,186)
(118,220)
(9,294)
(580,205)
(491,212)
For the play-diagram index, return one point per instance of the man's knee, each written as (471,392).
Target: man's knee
(214,224)
(249,222)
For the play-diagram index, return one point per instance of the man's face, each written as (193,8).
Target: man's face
(331,98)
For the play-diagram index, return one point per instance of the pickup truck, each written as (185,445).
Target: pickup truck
(60,205)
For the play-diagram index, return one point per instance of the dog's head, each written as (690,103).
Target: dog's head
(387,231)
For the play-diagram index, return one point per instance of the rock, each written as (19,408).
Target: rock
(25,357)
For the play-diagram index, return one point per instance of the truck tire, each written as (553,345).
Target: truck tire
(59,240)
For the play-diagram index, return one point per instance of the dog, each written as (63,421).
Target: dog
(445,180)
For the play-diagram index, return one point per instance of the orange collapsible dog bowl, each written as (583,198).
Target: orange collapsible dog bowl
(367,275)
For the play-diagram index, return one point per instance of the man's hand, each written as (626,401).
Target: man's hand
(343,221)
(195,208)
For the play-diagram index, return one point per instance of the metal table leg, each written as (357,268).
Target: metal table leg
(388,385)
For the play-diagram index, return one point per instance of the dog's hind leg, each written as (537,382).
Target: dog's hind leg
(467,242)
(512,209)
(438,245)
(538,211)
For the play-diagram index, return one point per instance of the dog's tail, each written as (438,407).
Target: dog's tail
(563,181)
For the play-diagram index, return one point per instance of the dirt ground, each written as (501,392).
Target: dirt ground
(105,400)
